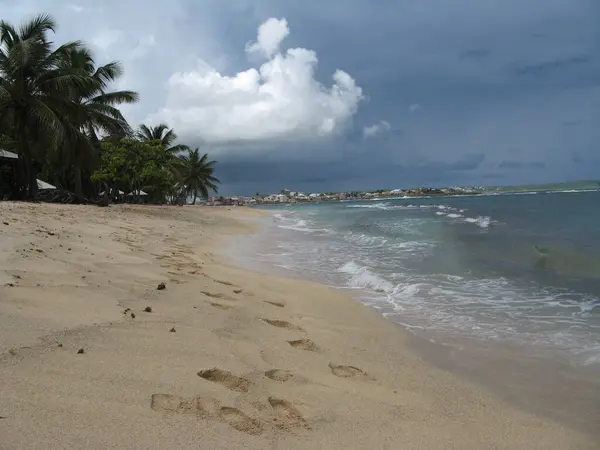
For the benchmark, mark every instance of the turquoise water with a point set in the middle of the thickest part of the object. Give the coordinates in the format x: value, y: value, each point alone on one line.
x: 523, y: 269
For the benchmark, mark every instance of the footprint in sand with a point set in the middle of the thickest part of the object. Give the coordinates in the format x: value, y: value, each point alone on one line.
x: 217, y: 295
x: 278, y: 304
x: 219, y: 306
x: 346, y: 371
x: 304, y: 344
x: 176, y: 404
x: 278, y: 374
x: 282, y: 324
x: 287, y: 417
x: 238, y: 420
x: 227, y: 379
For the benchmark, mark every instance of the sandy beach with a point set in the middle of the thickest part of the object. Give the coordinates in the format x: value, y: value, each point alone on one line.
x: 93, y: 355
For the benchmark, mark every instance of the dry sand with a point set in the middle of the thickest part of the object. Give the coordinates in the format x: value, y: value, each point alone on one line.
x: 225, y: 359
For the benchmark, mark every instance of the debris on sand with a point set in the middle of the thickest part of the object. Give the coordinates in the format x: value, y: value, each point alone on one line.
x: 148, y: 309
x: 161, y: 286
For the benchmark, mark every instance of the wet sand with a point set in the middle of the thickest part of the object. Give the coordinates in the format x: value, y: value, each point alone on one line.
x: 94, y: 355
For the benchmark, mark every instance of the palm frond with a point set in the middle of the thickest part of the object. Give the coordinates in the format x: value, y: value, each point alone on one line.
x: 37, y: 27
x: 108, y: 72
x: 115, y: 98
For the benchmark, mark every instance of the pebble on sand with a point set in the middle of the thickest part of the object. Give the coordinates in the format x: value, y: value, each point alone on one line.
x: 173, y: 330
x: 80, y: 351
x: 161, y: 286
x: 147, y: 309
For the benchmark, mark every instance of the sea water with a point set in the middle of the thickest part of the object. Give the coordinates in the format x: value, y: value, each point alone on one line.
x: 522, y: 269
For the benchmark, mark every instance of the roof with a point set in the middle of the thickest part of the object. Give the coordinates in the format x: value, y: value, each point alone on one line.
x: 43, y: 185
x: 8, y: 155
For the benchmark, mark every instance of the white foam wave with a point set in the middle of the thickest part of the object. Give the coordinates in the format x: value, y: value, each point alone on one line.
x: 481, y: 221
x: 375, y: 206
x: 454, y: 216
x: 362, y: 278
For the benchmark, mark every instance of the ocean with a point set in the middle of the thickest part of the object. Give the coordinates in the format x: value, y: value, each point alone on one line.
x: 520, y: 269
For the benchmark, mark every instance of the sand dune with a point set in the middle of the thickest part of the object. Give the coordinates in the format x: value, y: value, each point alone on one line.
x: 254, y: 361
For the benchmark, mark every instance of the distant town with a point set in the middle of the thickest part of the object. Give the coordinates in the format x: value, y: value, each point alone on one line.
x: 285, y: 196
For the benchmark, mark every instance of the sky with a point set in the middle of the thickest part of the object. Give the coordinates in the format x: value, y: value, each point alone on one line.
x: 355, y: 94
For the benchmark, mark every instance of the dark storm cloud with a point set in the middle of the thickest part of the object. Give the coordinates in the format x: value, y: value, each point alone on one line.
x: 546, y: 68
x: 522, y: 165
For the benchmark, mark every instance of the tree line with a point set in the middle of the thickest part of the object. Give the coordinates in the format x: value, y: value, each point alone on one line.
x: 59, y: 114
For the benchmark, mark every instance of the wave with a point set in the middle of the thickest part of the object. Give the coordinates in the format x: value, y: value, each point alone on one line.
x: 361, y: 277
x: 481, y: 221
x: 375, y: 206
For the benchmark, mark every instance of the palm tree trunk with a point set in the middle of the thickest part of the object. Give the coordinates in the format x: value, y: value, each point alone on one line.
x: 78, y: 185
x: 33, y: 187
x: 30, y: 175
x: 195, y: 195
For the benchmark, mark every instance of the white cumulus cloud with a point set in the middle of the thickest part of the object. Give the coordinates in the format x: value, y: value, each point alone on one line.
x: 281, y: 99
x: 270, y: 36
x: 375, y: 129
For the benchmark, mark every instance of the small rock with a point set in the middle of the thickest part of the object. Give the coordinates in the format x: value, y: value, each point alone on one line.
x: 173, y: 330
x: 10, y: 284
x: 18, y: 277
x: 39, y: 250
x: 59, y: 345
x: 127, y: 310
x: 80, y: 351
x: 132, y: 315
x: 161, y: 286
x: 147, y: 309
x: 238, y: 291
x: 69, y: 249
x: 5, y: 223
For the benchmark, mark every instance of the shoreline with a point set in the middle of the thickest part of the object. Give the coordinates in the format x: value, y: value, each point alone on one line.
x: 542, y: 381
x: 284, y: 363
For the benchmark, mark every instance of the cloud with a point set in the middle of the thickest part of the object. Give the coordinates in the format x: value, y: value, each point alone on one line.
x: 414, y: 108
x: 547, y: 67
x: 270, y: 36
x: 376, y: 129
x: 522, y: 165
x: 280, y: 100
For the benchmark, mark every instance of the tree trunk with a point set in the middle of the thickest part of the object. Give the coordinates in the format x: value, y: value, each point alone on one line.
x: 78, y: 185
x: 195, y: 195
x: 33, y: 187
x: 30, y: 178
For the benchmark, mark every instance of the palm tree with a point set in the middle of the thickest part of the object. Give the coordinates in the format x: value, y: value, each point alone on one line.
x: 99, y: 111
x: 196, y: 174
x: 35, y: 92
x: 163, y: 133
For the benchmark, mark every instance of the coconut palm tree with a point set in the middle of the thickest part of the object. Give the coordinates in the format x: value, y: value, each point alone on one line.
x: 36, y: 92
x: 196, y: 174
x: 100, y: 113
x: 163, y: 133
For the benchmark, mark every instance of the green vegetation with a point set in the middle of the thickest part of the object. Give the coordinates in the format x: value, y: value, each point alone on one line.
x: 60, y: 116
